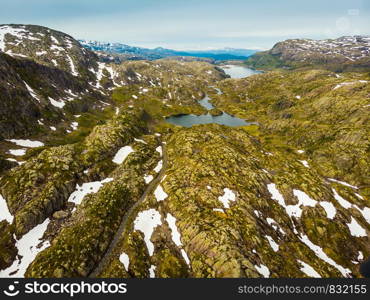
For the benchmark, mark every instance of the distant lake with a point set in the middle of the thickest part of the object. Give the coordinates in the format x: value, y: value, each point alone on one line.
x: 223, y: 119
x: 235, y: 71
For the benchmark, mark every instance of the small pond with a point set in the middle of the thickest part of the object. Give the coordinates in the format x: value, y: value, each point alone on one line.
x: 191, y: 119
x: 188, y: 120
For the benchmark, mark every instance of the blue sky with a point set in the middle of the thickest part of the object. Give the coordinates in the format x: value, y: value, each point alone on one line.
x: 190, y: 24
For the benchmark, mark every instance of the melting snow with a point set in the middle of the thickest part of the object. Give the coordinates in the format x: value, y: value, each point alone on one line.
x: 125, y: 260
x: 344, y: 203
x: 4, y: 211
x: 185, y: 256
x: 365, y: 213
x: 54, y: 39
x: 308, y: 270
x: 140, y: 141
x: 59, y: 104
x: 146, y: 221
x: 27, y: 143
x: 272, y: 243
x: 19, y: 33
x: 32, y: 92
x: 291, y: 210
x: 74, y: 125
x: 39, y: 53
x: 171, y: 220
x: 274, y: 225
x: 305, y: 163
x: 86, y: 188
x: 122, y: 154
x: 227, y: 197
x: 356, y: 229
x: 151, y: 271
x: 343, y: 183
x: 72, y: 65
x: 329, y: 209
x: 27, y: 249
x: 160, y: 194
x: 348, y: 83
x: 322, y: 255
x: 159, y: 150
x: 148, y: 178
x: 158, y: 168
x: 263, y: 270
x: 17, y: 152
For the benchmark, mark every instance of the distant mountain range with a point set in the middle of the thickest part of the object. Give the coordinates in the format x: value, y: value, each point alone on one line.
x: 133, y: 53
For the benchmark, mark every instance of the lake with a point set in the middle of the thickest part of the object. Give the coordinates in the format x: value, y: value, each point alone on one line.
x: 235, y: 71
x: 191, y: 119
x: 223, y: 119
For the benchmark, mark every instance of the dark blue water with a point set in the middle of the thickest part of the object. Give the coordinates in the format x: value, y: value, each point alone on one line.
x: 190, y: 120
x: 224, y: 119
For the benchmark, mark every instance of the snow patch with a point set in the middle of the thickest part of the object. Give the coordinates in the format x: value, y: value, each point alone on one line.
x: 356, y: 229
x: 86, y: 188
x: 28, y: 247
x: 329, y: 209
x: 122, y: 154
x: 343, y: 183
x: 227, y: 197
x: 159, y: 166
x: 27, y: 143
x: 146, y: 221
x: 17, y: 152
x: 322, y: 255
x: 125, y: 260
x: 59, y: 104
x: 160, y: 194
x: 4, y: 211
x: 263, y: 270
x: 308, y: 270
x: 272, y: 243
x: 148, y: 178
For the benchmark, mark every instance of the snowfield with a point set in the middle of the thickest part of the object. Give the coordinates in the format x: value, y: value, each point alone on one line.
x: 27, y: 143
x: 146, y: 221
x: 28, y: 247
x: 4, y: 211
x: 86, y: 188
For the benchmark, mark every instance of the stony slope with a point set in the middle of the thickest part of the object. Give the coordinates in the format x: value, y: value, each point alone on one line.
x: 286, y: 198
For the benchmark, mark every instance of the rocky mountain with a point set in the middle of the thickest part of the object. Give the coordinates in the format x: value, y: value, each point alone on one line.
x: 105, y: 186
x: 136, y: 53
x: 47, y: 77
x: 350, y: 53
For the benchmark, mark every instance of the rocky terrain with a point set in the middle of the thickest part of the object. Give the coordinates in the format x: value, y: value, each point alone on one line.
x: 103, y: 186
x: 348, y: 53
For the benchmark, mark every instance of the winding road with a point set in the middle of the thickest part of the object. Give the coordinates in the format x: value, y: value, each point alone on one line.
x: 152, y: 185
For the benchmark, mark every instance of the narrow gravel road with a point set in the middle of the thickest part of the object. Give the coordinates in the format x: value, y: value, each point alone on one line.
x: 152, y: 185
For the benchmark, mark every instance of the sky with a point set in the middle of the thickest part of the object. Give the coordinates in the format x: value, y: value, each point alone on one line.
x: 191, y: 24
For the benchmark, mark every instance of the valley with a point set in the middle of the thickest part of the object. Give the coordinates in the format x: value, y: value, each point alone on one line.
x: 176, y: 168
